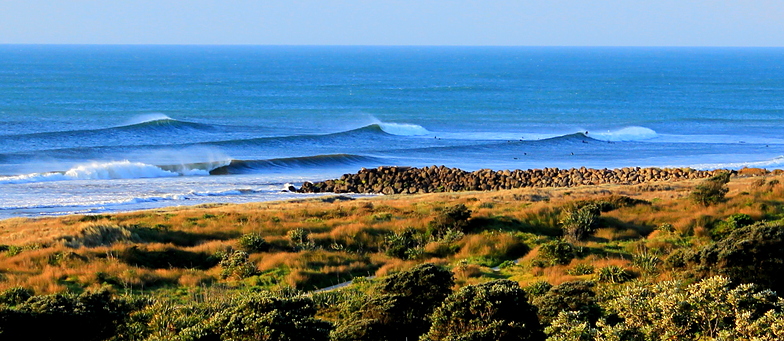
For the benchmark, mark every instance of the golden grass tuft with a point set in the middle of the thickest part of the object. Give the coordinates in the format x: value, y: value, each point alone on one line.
x: 492, y: 245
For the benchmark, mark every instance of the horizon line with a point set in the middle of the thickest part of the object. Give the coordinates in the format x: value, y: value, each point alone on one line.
x: 389, y: 45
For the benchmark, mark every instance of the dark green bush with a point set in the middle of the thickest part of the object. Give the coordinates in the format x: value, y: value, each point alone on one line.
x: 88, y: 316
x: 453, y: 217
x: 492, y: 311
x: 245, y: 316
x: 749, y: 254
x: 402, y: 307
x: 569, y: 296
x: 16, y: 295
x: 556, y: 252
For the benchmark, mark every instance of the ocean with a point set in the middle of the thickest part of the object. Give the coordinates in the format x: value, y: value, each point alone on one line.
x: 93, y: 129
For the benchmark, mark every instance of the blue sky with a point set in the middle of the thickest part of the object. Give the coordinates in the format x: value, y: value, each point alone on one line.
x: 401, y: 22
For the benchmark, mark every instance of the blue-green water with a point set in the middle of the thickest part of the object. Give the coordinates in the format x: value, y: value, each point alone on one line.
x: 104, y: 128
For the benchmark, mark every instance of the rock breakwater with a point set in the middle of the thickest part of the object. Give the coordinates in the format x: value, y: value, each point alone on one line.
x: 433, y: 179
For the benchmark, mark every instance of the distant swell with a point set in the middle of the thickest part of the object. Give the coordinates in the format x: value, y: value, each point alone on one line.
x: 161, y: 125
x: 137, y: 170
x: 256, y: 166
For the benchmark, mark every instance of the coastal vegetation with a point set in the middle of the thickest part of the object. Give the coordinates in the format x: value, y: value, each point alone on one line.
x: 694, y: 259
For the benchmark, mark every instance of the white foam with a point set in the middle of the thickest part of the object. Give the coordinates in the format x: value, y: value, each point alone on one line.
x: 34, y: 177
x: 633, y: 133
x: 775, y: 163
x: 95, y: 171
x: 117, y: 170
x: 403, y: 129
x: 718, y: 139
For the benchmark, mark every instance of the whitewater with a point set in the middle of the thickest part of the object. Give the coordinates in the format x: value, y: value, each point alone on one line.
x: 93, y: 129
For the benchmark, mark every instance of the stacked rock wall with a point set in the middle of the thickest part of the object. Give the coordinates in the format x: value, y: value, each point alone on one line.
x: 407, y: 180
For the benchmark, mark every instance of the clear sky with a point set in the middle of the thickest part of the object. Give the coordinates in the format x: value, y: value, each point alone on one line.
x: 395, y: 22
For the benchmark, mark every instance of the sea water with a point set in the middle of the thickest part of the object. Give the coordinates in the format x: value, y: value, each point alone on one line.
x: 90, y: 129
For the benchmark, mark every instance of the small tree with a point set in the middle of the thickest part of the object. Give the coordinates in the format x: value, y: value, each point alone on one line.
x: 712, y: 190
x: 580, y: 222
x: 492, y: 311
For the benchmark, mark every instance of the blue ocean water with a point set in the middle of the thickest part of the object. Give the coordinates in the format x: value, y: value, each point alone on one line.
x: 88, y: 129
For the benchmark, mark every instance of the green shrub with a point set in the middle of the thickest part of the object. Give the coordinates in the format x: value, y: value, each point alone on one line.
x: 235, y: 264
x: 11, y: 250
x: 749, y: 254
x: 556, y: 252
x: 711, y: 309
x: 248, y: 316
x: 400, y: 309
x: 400, y: 245
x: 453, y: 217
x: 496, y: 310
x: 569, y: 296
x: 15, y: 295
x: 677, y: 259
x: 88, y: 316
x: 723, y: 228
x: 647, y: 262
x: 712, y: 190
x: 613, y: 274
x: 253, y: 243
x: 666, y: 227
x: 300, y: 239
x: 581, y: 269
x: 538, y: 288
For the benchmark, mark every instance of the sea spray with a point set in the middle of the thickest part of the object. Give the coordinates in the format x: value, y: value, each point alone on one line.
x: 95, y: 171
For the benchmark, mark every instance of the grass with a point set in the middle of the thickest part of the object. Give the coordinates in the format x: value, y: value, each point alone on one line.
x: 176, y: 248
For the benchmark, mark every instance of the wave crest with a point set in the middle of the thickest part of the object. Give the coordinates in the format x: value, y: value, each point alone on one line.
x: 147, y: 118
x: 633, y: 133
x: 102, y: 171
x: 403, y: 129
x: 117, y: 170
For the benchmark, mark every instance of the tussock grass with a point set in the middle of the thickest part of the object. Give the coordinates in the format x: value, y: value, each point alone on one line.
x: 181, y: 247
